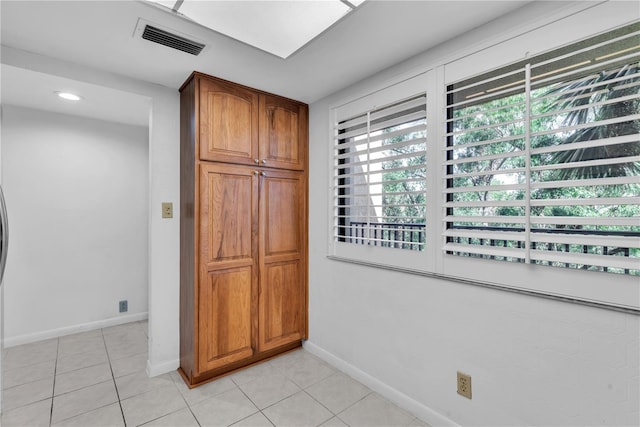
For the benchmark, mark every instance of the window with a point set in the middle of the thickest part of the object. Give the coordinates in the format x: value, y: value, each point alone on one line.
x: 543, y: 159
x: 380, y: 175
x: 534, y: 164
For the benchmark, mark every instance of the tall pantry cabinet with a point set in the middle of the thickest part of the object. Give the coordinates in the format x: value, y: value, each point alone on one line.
x: 243, y: 226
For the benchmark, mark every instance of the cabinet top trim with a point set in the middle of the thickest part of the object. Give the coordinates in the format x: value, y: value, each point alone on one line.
x: 198, y: 75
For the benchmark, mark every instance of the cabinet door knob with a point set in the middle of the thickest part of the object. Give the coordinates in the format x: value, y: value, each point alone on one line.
x: 263, y: 173
x: 255, y: 172
x: 264, y: 161
x: 256, y: 160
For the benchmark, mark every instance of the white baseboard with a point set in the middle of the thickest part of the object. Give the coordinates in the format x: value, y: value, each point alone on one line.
x: 423, y: 412
x: 68, y: 330
x: 162, y: 368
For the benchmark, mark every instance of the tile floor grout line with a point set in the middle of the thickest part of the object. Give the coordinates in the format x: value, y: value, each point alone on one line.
x: 113, y: 377
x: 55, y: 371
x: 185, y: 400
x: 254, y: 404
x: 353, y: 404
x: 305, y: 370
x: 320, y: 403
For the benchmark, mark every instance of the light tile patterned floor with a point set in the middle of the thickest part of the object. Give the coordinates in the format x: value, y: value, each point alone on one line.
x: 98, y: 378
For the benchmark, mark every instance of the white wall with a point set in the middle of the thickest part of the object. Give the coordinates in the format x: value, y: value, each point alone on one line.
x: 164, y: 186
x: 76, y: 192
x: 533, y: 361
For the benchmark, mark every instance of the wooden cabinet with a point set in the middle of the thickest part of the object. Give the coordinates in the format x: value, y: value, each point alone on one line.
x: 283, y: 133
x: 228, y: 263
x: 243, y: 228
x: 228, y: 122
x: 239, y: 125
x: 282, y: 313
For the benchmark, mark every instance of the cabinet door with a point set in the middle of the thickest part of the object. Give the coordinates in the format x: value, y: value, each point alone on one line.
x: 283, y: 253
x: 227, y: 294
x: 228, y: 122
x: 283, y: 133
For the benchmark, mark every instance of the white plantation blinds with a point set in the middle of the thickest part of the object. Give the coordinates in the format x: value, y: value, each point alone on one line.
x: 543, y: 159
x: 379, y: 175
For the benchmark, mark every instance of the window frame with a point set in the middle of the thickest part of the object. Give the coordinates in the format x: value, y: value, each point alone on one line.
x: 612, y: 291
x: 378, y: 255
x: 527, y: 238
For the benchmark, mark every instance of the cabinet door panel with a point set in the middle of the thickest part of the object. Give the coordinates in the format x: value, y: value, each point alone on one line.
x: 282, y: 215
x: 228, y: 210
x: 225, y: 331
x: 282, y: 300
x: 228, y: 123
x: 281, y: 304
x: 227, y: 295
x: 283, y: 132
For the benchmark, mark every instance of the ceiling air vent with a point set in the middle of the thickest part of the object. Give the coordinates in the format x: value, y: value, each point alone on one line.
x: 173, y: 41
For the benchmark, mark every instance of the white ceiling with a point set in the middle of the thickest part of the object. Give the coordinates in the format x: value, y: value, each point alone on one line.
x: 102, y: 34
x: 254, y: 21
x: 31, y: 89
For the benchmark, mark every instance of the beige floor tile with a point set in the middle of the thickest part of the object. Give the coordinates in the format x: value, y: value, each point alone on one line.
x: 417, y: 422
x: 30, y: 354
x: 82, y: 335
x: 74, y: 344
x: 306, y: 370
x: 298, y: 410
x: 84, y: 400
x: 334, y: 422
x: 107, y: 416
x: 130, y: 336
x: 24, y: 394
x: 129, y: 365
x: 338, y: 392
x: 375, y: 410
x: 28, y: 374
x: 224, y: 409
x: 86, y: 364
x: 35, y: 414
x: 81, y: 378
x: 181, y: 418
x: 254, y: 372
x: 126, y: 349
x: 81, y: 360
x: 255, y: 420
x: 123, y: 329
x: 205, y: 391
x: 152, y: 405
x: 269, y: 389
x: 138, y: 383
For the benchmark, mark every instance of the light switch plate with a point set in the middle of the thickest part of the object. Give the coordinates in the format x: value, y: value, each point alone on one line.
x: 167, y: 210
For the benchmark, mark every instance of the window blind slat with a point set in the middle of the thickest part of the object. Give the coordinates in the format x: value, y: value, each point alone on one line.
x: 485, y: 219
x: 558, y: 133
x: 494, y: 251
x: 379, y: 176
x: 598, y: 201
x: 587, y: 144
x: 586, y: 259
x: 579, y: 220
x: 586, y: 163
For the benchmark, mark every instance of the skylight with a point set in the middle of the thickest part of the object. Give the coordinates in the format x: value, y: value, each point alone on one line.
x: 280, y: 27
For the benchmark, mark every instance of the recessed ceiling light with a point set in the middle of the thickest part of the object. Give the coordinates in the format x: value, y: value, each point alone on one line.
x: 69, y: 96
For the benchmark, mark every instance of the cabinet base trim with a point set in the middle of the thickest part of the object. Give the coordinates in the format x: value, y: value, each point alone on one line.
x: 232, y: 368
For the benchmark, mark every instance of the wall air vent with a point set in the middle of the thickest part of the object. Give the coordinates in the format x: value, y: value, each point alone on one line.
x: 156, y: 35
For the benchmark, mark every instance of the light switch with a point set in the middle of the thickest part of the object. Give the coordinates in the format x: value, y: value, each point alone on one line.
x: 167, y: 210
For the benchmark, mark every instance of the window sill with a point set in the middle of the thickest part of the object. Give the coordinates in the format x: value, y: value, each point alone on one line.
x: 496, y: 286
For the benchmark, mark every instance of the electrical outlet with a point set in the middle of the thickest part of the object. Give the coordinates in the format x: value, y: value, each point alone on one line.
x: 464, y: 385
x: 123, y: 306
x: 167, y: 210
